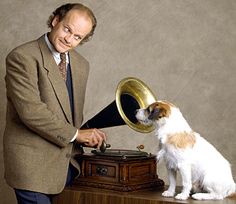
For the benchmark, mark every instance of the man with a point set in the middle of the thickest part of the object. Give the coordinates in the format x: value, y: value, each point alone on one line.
x: 45, y: 104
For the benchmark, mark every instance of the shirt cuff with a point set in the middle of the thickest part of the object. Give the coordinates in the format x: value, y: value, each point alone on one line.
x: 73, y: 139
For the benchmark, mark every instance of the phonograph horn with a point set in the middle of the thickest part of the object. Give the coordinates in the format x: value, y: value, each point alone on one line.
x: 131, y: 94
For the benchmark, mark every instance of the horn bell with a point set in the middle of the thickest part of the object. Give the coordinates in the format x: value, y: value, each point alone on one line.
x: 132, y: 94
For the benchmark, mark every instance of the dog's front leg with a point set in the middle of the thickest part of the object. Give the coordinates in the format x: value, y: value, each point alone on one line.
x: 172, y: 184
x: 185, y: 171
x: 160, y: 155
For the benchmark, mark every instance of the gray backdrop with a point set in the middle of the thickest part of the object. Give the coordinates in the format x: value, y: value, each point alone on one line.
x: 184, y: 50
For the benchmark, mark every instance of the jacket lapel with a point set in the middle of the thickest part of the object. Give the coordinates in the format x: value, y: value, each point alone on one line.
x: 55, y: 78
x: 78, y: 73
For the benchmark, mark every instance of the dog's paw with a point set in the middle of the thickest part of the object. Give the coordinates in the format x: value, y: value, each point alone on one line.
x: 197, y: 196
x: 207, y: 196
x: 168, y: 194
x: 182, y: 196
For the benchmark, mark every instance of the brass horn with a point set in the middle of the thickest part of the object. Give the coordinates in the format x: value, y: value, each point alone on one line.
x: 131, y: 94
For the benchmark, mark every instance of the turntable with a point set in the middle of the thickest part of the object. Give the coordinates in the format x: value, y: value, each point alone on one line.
x: 117, y: 169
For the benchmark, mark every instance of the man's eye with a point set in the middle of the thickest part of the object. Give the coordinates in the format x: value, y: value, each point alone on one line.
x: 77, y: 37
x: 66, y: 30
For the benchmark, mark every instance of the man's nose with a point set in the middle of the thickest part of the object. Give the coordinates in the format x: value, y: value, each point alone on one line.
x: 68, y: 38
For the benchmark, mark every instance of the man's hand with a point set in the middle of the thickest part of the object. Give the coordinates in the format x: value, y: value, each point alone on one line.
x: 91, y: 137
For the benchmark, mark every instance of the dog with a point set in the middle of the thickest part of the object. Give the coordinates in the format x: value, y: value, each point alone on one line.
x: 205, y: 173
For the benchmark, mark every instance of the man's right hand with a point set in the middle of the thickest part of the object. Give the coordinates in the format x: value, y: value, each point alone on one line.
x: 91, y: 137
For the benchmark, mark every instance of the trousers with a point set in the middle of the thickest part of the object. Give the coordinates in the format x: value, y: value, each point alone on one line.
x: 31, y: 197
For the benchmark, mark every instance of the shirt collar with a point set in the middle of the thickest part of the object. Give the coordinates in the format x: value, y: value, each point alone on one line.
x: 56, y: 55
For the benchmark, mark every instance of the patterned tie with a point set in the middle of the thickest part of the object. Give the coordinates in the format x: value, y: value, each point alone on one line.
x: 62, y: 65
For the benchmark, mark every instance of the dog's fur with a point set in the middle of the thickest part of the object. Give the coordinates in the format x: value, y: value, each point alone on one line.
x: 205, y: 172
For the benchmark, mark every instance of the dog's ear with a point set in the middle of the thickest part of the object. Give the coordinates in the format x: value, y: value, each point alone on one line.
x: 164, y: 109
x: 154, y: 115
x: 162, y: 113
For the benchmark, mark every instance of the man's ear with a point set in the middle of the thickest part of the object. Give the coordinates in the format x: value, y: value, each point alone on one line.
x: 55, y: 21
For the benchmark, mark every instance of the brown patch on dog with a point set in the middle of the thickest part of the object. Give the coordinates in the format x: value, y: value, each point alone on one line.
x: 182, y: 140
x: 232, y: 196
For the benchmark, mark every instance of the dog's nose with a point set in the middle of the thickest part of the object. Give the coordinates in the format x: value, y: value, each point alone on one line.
x: 136, y: 111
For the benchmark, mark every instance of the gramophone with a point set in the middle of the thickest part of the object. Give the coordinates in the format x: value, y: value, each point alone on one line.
x: 118, y: 169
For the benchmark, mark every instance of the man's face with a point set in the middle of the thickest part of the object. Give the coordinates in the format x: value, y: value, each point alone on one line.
x: 70, y: 31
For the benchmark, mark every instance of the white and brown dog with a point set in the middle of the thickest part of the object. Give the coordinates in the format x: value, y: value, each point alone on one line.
x: 203, y: 169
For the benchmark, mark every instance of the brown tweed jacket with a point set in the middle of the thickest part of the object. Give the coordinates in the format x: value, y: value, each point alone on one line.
x: 39, y: 127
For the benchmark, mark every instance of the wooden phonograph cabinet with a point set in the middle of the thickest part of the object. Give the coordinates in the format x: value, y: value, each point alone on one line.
x: 120, y: 170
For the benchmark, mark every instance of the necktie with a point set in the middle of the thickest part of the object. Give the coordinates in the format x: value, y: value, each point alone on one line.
x: 62, y: 65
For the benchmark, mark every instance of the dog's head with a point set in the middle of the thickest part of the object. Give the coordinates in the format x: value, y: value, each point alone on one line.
x: 154, y: 112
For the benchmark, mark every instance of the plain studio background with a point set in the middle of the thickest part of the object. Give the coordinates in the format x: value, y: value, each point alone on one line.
x: 183, y: 50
